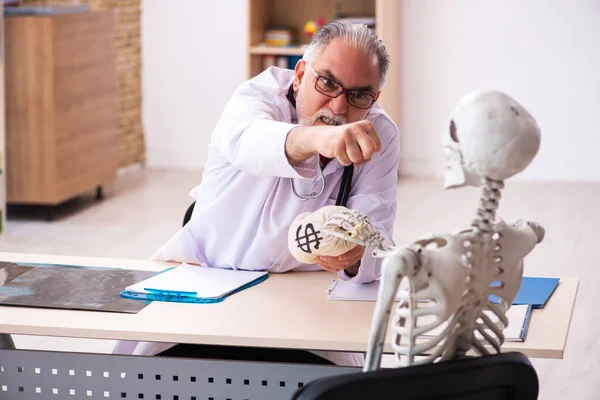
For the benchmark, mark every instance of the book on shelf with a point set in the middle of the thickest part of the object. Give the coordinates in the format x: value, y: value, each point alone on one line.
x: 369, y: 21
x: 278, y: 36
x: 47, y: 10
x: 281, y: 61
x: 269, y: 60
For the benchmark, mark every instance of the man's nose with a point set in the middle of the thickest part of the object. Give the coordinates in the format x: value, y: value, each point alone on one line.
x: 339, y: 105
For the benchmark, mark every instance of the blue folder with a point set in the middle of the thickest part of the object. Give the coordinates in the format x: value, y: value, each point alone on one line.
x: 534, y: 291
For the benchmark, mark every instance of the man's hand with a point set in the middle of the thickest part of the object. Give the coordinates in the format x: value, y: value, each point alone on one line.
x: 349, y: 259
x: 353, y: 143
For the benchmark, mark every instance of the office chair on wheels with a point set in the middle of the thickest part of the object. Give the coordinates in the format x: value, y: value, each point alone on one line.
x: 505, y: 376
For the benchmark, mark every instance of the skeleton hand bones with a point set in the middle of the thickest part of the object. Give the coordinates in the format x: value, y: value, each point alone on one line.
x: 333, y: 237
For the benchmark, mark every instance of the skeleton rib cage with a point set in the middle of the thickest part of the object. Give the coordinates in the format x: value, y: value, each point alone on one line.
x: 443, y: 283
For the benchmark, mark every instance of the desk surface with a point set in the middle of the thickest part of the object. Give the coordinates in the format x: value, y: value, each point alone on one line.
x: 288, y: 310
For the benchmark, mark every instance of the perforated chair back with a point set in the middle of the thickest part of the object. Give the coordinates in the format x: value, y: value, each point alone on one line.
x: 508, y: 376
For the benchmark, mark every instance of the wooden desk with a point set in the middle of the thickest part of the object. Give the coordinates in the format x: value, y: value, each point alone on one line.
x: 286, y: 311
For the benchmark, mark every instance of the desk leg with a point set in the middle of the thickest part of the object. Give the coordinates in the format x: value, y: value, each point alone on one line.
x: 6, y: 342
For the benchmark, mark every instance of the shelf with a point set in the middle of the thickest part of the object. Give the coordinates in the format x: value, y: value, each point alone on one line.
x: 294, y: 14
x: 278, y: 51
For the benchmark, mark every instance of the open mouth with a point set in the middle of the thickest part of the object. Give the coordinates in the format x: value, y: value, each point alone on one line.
x: 328, y: 121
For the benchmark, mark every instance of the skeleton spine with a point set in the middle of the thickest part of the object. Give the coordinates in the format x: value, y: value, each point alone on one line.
x: 474, y: 256
x: 486, y: 212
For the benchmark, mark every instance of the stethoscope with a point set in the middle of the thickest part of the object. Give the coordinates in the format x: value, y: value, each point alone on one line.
x: 346, y: 177
x: 345, y: 187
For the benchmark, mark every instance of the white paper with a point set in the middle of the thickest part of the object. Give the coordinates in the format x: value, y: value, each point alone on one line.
x: 209, y: 283
x: 344, y: 290
x: 516, y: 315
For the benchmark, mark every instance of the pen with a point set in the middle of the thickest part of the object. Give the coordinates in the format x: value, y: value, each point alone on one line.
x: 169, y: 294
x: 332, y: 286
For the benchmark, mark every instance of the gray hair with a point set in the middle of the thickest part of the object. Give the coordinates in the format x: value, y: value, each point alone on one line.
x: 356, y: 35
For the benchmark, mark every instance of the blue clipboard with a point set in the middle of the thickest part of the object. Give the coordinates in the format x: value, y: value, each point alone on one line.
x: 174, y: 296
x: 212, y: 285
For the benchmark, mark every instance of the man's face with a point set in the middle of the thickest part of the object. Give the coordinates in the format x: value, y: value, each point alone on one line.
x: 347, y: 66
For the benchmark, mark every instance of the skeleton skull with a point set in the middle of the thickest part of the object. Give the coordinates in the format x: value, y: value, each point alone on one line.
x: 489, y: 135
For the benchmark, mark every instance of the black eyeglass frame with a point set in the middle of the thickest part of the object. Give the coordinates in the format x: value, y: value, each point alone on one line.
x: 342, y: 90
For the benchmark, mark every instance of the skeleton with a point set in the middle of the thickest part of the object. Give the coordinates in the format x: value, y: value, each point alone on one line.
x: 444, y: 281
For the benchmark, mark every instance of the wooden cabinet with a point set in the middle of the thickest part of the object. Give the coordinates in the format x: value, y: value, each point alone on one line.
x: 61, y: 128
x: 293, y: 14
x: 2, y: 132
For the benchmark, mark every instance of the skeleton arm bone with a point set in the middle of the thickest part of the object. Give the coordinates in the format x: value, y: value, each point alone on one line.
x: 394, y: 268
x: 353, y: 226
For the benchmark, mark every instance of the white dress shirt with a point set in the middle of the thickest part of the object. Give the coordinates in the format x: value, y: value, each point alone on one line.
x: 245, y: 204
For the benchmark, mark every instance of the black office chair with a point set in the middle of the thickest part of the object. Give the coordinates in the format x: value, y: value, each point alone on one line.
x: 188, y: 213
x: 507, y: 376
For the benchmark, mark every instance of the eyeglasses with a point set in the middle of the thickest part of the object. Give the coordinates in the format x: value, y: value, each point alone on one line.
x: 330, y: 88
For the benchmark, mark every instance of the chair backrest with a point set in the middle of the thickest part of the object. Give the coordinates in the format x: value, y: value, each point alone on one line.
x: 507, y: 376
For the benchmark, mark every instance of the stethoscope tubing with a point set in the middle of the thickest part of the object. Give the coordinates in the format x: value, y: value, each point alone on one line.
x: 345, y: 187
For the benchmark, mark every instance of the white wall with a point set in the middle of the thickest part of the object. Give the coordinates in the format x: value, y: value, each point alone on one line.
x: 544, y: 53
x: 185, y: 84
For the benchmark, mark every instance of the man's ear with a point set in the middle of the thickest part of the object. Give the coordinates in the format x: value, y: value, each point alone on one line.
x: 299, y: 74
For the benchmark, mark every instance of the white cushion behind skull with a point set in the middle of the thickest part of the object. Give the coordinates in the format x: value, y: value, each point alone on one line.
x: 490, y: 135
x: 306, y: 241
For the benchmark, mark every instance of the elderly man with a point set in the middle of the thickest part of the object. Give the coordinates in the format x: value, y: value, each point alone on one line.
x: 280, y: 149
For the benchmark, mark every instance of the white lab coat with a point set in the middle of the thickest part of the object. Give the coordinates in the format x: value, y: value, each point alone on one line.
x: 245, y: 205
